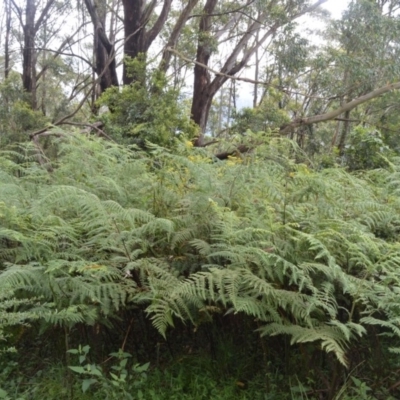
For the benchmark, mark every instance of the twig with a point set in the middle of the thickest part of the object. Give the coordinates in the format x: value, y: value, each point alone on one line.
x: 126, y: 335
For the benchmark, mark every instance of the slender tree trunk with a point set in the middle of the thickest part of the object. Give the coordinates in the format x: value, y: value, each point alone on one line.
x: 29, y: 49
x: 220, y: 116
x: 96, y: 88
x: 203, y: 93
x: 43, y: 92
x: 30, y: 29
x: 34, y: 82
x: 345, y: 131
x: 113, y: 20
x: 7, y: 7
x: 256, y: 70
x: 229, y: 111
x: 176, y: 31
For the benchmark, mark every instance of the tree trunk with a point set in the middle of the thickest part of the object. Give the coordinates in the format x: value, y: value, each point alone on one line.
x: 7, y: 7
x: 29, y: 49
x: 30, y: 29
x: 138, y: 39
x: 203, y: 93
x: 134, y: 33
x: 106, y: 67
x: 256, y: 71
x: 345, y: 131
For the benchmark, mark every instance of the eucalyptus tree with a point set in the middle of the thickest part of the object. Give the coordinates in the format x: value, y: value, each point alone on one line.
x: 283, y: 81
x: 7, y: 37
x: 31, y: 16
x: 238, y: 28
x: 43, y: 37
x: 139, y: 32
x: 104, y: 48
x: 358, y: 70
x: 367, y: 55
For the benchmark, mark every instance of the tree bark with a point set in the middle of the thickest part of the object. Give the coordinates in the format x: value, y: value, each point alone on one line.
x: 345, y: 131
x: 256, y: 72
x: 138, y: 39
x: 106, y: 66
x: 202, y: 93
x: 7, y: 7
x: 30, y: 28
x: 29, y: 48
x: 134, y: 33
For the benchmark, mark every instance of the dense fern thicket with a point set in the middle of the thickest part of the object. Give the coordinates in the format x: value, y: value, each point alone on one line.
x: 261, y: 244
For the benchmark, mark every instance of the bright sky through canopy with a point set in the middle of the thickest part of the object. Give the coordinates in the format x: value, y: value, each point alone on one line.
x: 336, y: 7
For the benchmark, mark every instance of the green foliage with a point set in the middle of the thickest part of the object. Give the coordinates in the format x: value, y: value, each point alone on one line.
x: 366, y: 149
x: 268, y: 115
x: 311, y: 255
x: 122, y: 381
x: 146, y: 110
x: 16, y: 116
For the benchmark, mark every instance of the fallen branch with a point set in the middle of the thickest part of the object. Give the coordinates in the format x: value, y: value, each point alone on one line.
x: 236, y: 152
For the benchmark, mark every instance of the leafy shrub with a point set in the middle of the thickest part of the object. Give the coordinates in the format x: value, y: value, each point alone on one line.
x: 146, y: 110
x: 123, y: 381
x: 366, y: 149
x: 268, y: 115
x: 16, y: 117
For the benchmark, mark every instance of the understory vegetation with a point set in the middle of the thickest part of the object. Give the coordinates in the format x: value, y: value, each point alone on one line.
x: 199, y: 199
x: 265, y: 276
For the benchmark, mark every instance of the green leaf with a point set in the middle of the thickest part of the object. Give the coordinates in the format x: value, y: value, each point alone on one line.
x: 141, y: 368
x: 123, y: 363
x: 114, y: 376
x: 79, y: 370
x: 87, y: 383
x: 94, y: 370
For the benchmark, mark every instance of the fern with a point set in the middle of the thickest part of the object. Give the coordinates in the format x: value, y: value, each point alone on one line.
x: 310, y: 254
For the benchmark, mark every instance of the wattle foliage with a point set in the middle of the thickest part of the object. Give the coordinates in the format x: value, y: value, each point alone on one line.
x: 310, y: 254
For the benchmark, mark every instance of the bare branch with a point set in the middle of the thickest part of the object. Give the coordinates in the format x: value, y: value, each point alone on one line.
x: 241, y: 79
x: 285, y: 129
x: 60, y: 52
x: 180, y: 23
x: 155, y: 30
x: 43, y: 14
x: 226, y: 12
x: 18, y: 11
